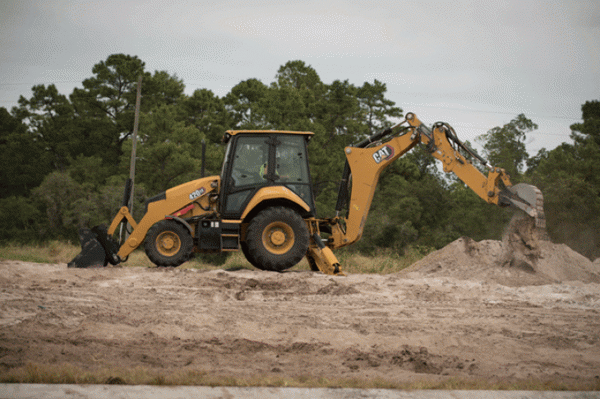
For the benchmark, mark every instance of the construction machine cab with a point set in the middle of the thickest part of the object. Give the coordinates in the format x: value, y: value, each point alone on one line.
x: 258, y: 165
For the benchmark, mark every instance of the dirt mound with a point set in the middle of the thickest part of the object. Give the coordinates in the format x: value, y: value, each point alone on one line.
x: 487, y: 260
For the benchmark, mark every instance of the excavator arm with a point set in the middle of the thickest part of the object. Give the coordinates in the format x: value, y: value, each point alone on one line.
x: 495, y: 188
x: 367, y: 159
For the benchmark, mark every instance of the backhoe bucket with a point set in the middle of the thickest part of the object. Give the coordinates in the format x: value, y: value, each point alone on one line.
x: 530, y: 200
x: 97, y: 249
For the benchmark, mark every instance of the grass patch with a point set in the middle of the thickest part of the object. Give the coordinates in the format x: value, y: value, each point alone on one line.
x: 383, y: 262
x: 64, y: 252
x: 49, y: 252
x: 34, y: 373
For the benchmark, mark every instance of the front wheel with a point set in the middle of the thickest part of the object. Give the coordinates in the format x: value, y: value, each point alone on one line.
x: 168, y: 243
x: 276, y: 239
x: 249, y: 257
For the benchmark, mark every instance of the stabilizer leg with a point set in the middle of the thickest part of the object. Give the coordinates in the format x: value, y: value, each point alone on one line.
x: 322, y: 258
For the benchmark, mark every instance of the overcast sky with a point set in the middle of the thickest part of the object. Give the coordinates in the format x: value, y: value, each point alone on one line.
x: 473, y: 64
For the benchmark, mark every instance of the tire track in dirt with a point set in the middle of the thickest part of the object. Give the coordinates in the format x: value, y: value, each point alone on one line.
x: 406, y: 327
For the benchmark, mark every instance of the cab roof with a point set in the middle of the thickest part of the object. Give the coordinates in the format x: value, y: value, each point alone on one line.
x: 234, y: 132
x: 230, y: 133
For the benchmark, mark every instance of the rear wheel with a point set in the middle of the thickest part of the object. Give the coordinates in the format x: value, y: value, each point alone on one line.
x: 168, y: 244
x: 276, y: 239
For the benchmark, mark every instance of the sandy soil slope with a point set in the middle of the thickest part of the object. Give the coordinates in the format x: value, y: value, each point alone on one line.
x: 455, y: 313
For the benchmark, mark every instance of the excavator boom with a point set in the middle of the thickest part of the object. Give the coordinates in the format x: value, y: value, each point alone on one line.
x: 366, y: 161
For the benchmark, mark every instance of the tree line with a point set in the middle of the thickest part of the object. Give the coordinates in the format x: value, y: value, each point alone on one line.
x: 64, y: 159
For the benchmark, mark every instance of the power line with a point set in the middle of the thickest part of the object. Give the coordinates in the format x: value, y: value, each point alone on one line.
x: 38, y: 83
x: 494, y: 112
x: 528, y: 133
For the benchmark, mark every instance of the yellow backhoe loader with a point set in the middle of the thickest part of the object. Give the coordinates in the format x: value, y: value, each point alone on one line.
x: 262, y: 203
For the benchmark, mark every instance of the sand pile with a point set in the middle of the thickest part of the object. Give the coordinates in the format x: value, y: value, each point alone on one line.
x: 491, y: 261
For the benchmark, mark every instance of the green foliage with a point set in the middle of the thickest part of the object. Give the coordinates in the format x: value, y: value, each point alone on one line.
x: 69, y: 205
x: 168, y: 152
x: 50, y: 118
x: 23, y: 160
x: 472, y: 217
x: 299, y: 76
x: 20, y: 219
x: 376, y: 108
x: 244, y: 104
x: 569, y: 178
x: 90, y: 170
x: 504, y: 147
x: 58, y: 193
x: 207, y: 113
x: 161, y: 88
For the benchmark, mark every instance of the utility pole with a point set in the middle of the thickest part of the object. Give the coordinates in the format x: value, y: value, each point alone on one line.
x: 136, y: 120
x: 128, y: 195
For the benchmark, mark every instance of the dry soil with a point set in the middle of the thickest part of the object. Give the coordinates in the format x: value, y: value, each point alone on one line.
x: 461, y: 312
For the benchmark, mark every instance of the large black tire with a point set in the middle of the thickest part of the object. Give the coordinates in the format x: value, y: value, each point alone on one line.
x: 249, y: 257
x: 168, y: 243
x: 276, y: 239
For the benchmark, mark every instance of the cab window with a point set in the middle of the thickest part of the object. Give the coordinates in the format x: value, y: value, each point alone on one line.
x: 290, y: 160
x: 249, y: 160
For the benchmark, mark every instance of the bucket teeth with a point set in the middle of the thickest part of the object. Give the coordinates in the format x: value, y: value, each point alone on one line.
x: 540, y: 217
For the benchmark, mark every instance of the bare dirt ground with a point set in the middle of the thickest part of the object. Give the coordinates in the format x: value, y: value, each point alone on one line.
x: 462, y: 312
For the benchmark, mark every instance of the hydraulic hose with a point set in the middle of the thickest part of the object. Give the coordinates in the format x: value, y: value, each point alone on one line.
x: 343, y: 189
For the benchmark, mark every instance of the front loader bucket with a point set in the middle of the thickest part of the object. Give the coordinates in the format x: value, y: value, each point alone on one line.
x: 97, y: 249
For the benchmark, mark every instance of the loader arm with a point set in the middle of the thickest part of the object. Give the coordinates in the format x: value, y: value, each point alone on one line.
x: 98, y: 247
x: 366, y: 161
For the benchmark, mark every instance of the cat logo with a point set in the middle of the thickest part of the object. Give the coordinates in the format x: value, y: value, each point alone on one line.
x: 383, y: 154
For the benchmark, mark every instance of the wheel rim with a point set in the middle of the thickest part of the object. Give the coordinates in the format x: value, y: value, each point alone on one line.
x: 278, y: 238
x: 168, y: 243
